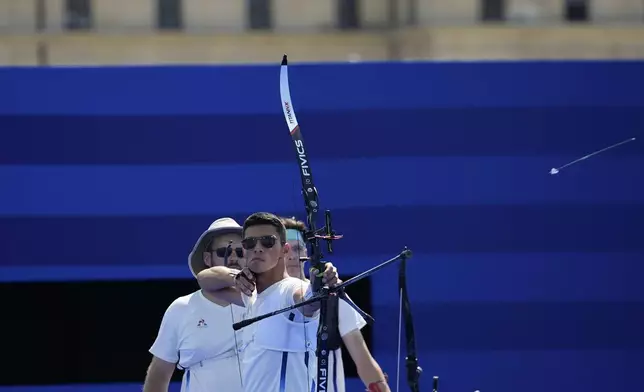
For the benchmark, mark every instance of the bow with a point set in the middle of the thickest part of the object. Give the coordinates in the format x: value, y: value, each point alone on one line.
x: 328, y: 336
x: 309, y: 191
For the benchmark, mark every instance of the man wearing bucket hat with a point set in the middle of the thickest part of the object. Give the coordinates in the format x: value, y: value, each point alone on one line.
x: 195, y: 333
x: 350, y: 322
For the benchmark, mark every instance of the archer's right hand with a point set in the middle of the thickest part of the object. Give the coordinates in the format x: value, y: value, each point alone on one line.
x: 245, y: 281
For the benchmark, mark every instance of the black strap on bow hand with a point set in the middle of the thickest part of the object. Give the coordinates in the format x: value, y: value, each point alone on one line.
x: 327, y: 335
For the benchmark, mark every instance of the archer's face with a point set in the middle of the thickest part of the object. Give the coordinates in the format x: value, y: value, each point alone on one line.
x: 263, y: 249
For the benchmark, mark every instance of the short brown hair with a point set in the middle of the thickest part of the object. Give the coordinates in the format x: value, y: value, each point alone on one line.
x: 294, y: 224
x: 266, y: 218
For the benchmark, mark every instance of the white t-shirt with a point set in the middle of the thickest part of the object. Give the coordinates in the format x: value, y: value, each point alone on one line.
x: 279, y: 351
x: 276, y: 348
x: 198, y: 335
x: 348, y: 320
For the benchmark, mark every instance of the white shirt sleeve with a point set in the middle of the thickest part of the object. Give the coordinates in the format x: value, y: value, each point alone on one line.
x: 348, y: 319
x: 289, y: 290
x: 166, y: 345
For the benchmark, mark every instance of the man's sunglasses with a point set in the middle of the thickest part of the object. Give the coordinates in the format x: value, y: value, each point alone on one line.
x: 267, y: 241
x: 225, y: 251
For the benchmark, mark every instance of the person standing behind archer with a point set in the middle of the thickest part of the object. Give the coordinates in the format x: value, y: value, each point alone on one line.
x: 195, y: 333
x: 350, y: 322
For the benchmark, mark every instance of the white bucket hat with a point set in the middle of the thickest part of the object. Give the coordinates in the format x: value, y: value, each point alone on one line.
x: 219, y: 227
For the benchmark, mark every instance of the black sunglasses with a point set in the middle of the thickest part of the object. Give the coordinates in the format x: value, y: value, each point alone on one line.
x: 267, y: 241
x: 225, y: 251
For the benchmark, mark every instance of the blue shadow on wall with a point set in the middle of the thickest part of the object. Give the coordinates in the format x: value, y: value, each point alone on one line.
x: 520, y: 281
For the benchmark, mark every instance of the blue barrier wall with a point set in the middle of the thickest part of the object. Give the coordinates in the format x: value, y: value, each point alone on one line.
x: 520, y: 281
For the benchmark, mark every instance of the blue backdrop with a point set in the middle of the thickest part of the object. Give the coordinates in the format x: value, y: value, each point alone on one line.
x: 520, y: 281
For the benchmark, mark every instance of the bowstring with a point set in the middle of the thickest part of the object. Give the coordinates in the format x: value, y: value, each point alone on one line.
x: 306, y: 339
x: 399, y: 340
x: 302, y: 277
x: 232, y: 317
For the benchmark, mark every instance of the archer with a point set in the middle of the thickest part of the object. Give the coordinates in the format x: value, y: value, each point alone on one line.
x: 276, y: 350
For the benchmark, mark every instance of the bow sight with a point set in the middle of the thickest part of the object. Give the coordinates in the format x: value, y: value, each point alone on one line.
x: 329, y: 234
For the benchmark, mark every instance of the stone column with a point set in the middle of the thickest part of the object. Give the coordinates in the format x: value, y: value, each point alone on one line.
x: 124, y: 15
x: 535, y: 11
x: 617, y: 11
x: 311, y: 15
x: 17, y: 16
x: 214, y: 15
